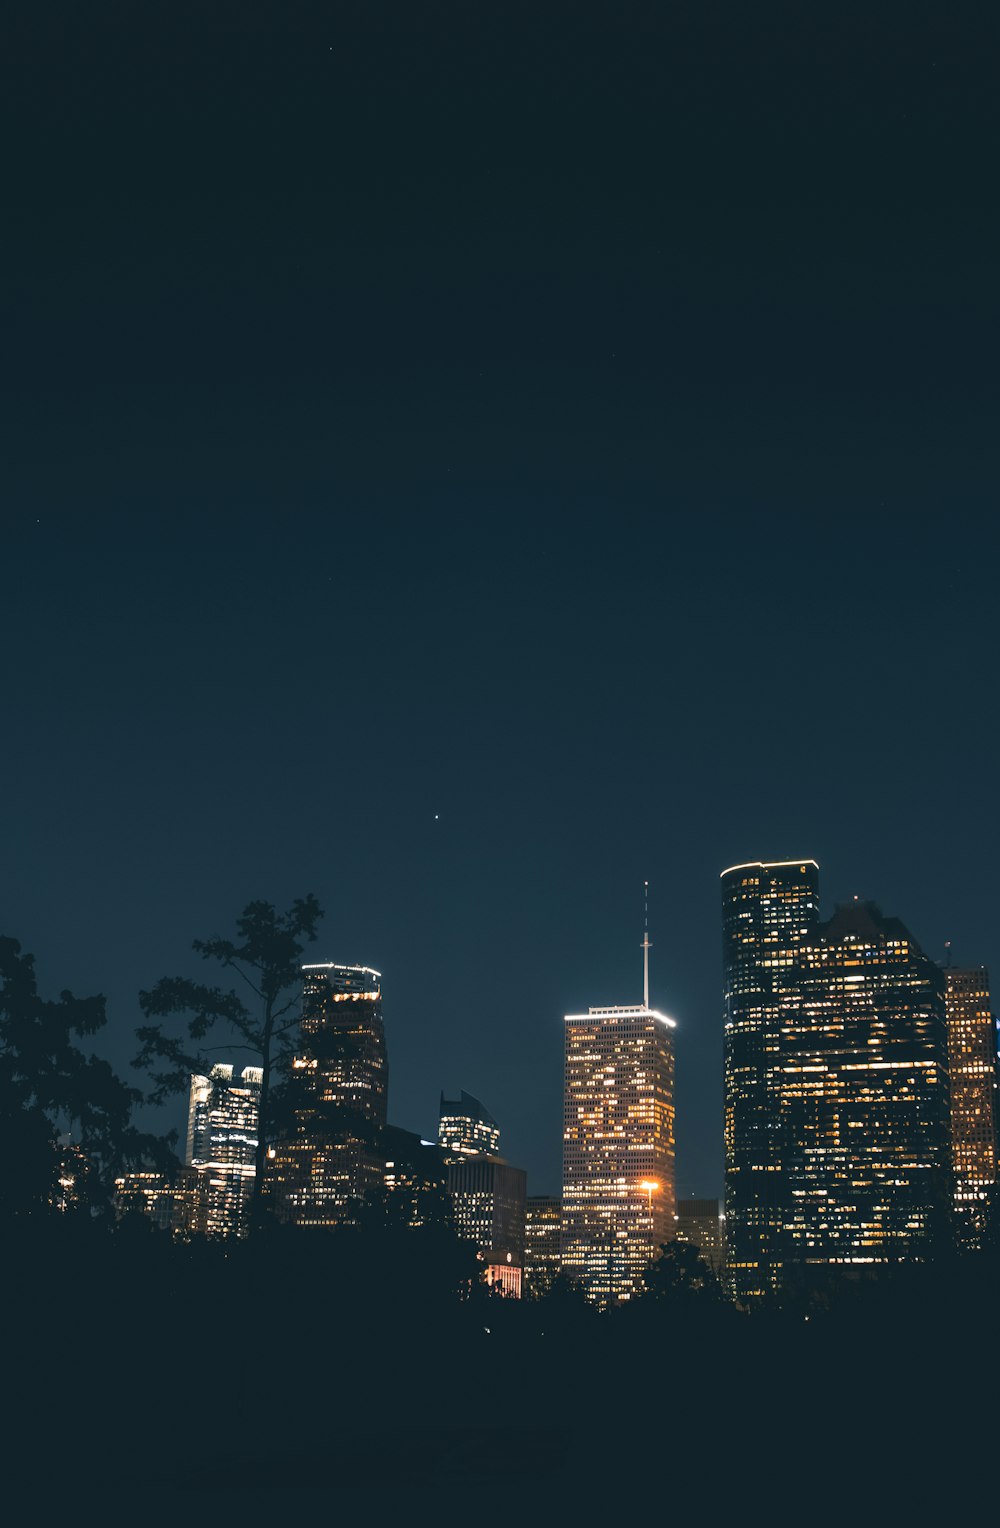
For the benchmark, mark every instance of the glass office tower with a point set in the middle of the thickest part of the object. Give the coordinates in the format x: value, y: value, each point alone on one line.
x: 865, y: 1110
x: 768, y: 911
x: 466, y: 1128
x: 223, y: 1120
x: 327, y: 1154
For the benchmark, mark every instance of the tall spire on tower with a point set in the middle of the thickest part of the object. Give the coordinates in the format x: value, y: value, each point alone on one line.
x: 645, y: 946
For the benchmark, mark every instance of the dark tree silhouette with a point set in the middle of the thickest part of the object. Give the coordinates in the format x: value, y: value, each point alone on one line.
x: 51, y: 1090
x: 266, y: 957
x: 682, y: 1276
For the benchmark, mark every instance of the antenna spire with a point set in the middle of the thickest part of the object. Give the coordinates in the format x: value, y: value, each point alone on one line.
x: 646, y: 947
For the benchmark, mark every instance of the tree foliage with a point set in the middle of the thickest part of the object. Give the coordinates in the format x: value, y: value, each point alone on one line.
x: 65, y: 1116
x: 259, y: 1019
x: 682, y: 1277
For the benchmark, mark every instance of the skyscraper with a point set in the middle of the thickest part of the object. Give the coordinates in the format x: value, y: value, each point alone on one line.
x: 466, y: 1127
x: 414, y: 1179
x: 768, y: 910
x: 488, y: 1198
x: 865, y: 1116
x: 327, y: 1152
x: 618, y: 1146
x: 223, y: 1120
x: 837, y: 1097
x: 972, y: 1063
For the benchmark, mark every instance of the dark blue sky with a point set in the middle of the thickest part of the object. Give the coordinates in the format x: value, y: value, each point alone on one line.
x: 581, y: 427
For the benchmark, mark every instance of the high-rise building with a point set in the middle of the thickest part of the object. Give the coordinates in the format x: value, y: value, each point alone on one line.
x: 327, y: 1153
x: 542, y: 1228
x: 618, y: 1204
x: 488, y: 1197
x: 972, y: 1063
x: 768, y: 911
x: 487, y: 1193
x: 414, y: 1179
x: 466, y: 1128
x: 223, y: 1121
x: 701, y: 1223
x: 865, y: 1111
x: 837, y: 1095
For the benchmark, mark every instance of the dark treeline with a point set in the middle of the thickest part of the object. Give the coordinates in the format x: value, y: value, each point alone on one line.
x: 365, y: 1359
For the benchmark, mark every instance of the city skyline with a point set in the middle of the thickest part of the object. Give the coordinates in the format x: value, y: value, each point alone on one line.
x: 859, y: 1121
x: 478, y: 483
x: 687, y: 1177
x: 472, y: 551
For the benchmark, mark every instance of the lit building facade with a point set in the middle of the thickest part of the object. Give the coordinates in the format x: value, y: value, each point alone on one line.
x: 618, y: 1202
x: 701, y: 1223
x: 327, y: 1153
x: 768, y: 911
x: 414, y: 1179
x: 223, y: 1123
x: 972, y: 1063
x: 865, y: 1106
x: 542, y: 1232
x: 488, y: 1200
x: 174, y: 1204
x: 466, y: 1128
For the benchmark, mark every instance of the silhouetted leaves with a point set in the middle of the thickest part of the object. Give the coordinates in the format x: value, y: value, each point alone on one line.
x: 260, y: 1019
x: 51, y: 1090
x: 681, y: 1277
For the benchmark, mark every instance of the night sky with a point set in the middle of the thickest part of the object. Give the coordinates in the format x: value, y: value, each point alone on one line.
x: 465, y: 466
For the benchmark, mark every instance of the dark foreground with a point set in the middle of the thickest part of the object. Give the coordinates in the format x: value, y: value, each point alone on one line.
x: 291, y: 1366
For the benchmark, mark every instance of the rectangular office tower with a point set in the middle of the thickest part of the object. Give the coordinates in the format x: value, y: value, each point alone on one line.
x: 865, y: 1125
x: 488, y: 1200
x: 327, y: 1154
x: 768, y: 911
x: 618, y: 1148
x: 972, y: 1062
x: 223, y: 1120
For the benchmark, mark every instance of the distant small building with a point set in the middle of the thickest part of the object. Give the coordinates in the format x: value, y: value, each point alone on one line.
x: 701, y: 1223
x: 542, y: 1227
x: 504, y: 1277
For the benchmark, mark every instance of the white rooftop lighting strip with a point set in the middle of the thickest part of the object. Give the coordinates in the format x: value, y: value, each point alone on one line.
x: 768, y: 865
x: 620, y: 1013
x: 332, y: 965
